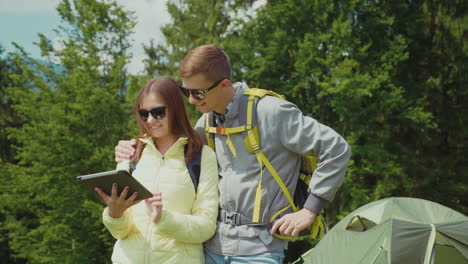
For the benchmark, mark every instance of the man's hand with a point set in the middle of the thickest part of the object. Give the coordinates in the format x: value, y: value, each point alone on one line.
x: 154, y: 207
x: 125, y: 150
x: 117, y: 204
x: 293, y: 223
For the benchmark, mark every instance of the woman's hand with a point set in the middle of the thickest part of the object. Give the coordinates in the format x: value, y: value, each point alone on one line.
x: 117, y: 204
x: 154, y: 207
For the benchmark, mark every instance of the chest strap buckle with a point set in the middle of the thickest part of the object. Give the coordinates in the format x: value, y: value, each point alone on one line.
x: 220, y: 130
x: 230, y: 218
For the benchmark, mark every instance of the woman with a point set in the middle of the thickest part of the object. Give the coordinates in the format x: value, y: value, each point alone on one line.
x: 171, y: 226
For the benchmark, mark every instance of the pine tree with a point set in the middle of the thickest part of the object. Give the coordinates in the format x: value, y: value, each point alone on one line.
x: 387, y: 75
x: 8, y: 118
x: 73, y: 107
x: 194, y: 23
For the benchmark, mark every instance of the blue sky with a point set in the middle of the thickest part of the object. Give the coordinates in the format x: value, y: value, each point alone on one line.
x: 22, y: 20
x: 22, y: 26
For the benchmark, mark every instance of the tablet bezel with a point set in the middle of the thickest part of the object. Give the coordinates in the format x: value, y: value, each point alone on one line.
x: 122, y: 178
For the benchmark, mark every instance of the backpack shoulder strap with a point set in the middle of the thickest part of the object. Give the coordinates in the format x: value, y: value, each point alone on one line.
x: 209, y: 126
x: 248, y: 114
x: 194, y: 167
x: 257, y: 92
x: 133, y: 167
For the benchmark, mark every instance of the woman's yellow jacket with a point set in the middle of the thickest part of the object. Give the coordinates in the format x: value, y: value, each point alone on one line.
x: 188, y: 218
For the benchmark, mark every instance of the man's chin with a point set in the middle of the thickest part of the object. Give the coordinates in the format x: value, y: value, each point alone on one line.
x: 203, y: 108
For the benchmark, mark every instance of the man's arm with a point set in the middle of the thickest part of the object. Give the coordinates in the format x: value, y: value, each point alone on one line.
x: 305, y: 136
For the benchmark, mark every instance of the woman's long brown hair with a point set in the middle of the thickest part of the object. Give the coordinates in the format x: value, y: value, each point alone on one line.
x: 179, y: 125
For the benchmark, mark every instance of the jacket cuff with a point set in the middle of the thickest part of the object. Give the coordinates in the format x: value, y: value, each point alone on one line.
x: 123, y: 165
x: 315, y: 203
x: 111, y: 220
x: 166, y: 223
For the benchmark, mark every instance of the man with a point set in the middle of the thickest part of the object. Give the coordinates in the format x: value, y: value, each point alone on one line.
x: 285, y: 135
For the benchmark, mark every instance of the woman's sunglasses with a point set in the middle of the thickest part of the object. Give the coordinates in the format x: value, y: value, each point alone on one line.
x: 158, y: 113
x: 198, y: 94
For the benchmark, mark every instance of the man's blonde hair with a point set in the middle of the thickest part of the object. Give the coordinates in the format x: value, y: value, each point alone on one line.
x: 209, y: 60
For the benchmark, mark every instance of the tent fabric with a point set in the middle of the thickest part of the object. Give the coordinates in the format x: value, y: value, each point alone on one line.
x: 395, y: 230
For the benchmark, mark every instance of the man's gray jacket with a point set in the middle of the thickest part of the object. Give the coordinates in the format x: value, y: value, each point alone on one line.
x: 285, y: 135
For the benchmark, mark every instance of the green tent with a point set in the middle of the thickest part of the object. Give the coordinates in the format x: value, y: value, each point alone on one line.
x: 395, y: 230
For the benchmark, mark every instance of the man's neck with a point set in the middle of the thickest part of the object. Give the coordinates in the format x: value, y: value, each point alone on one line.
x: 228, y: 96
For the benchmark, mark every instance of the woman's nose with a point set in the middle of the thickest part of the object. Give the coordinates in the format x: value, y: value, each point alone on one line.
x: 150, y: 118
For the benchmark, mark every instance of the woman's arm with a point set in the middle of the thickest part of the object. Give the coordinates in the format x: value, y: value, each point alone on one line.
x: 117, y: 216
x: 201, y: 224
x: 120, y: 227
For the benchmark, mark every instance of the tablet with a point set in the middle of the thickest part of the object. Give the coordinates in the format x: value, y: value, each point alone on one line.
x: 104, y: 180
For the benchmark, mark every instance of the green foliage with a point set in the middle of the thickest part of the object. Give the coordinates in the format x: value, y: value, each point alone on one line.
x: 353, y: 65
x: 8, y: 119
x: 72, y: 114
x: 194, y: 23
x: 390, y: 76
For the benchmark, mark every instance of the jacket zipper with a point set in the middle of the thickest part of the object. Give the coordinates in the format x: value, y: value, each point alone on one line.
x: 150, y: 228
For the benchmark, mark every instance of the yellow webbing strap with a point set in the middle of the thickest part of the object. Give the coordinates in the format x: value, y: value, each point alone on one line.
x: 305, y: 178
x: 258, y: 193
x: 255, y: 147
x: 318, y: 227
x: 231, y: 146
x: 222, y: 131
x: 273, y: 217
x: 262, y: 92
x: 277, y: 179
x: 209, y: 140
x: 250, y: 133
x: 225, y: 130
x: 250, y: 112
x: 261, y: 158
x: 210, y: 130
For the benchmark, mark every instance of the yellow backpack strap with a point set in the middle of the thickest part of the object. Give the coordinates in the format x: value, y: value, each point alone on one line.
x: 261, y: 158
x: 278, y: 180
x: 249, y: 125
x: 255, y: 146
x: 220, y: 131
x: 209, y: 139
x: 257, y: 92
x: 317, y: 228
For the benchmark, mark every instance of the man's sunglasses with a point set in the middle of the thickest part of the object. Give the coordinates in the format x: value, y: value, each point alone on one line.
x: 158, y: 113
x: 198, y: 94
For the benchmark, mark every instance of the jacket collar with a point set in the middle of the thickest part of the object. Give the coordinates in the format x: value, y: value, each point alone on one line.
x: 233, y: 107
x: 179, y: 144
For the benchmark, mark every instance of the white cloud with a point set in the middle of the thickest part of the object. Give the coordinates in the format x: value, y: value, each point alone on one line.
x: 28, y: 6
x: 150, y: 16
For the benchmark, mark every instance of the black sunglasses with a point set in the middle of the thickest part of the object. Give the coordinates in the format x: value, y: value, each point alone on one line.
x: 198, y: 94
x: 158, y: 113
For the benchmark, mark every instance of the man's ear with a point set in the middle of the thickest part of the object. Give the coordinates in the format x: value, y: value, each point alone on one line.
x: 226, y: 83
